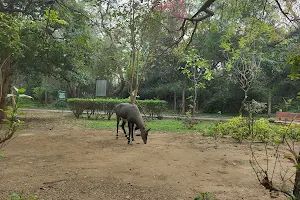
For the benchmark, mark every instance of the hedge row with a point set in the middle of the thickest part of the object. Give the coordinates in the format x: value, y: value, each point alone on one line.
x: 96, y: 107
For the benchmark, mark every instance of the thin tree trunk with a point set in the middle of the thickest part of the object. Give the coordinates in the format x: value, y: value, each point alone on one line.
x: 195, y: 100
x: 175, y: 103
x: 46, y: 97
x: 137, y: 77
x: 120, y: 86
x: 243, y: 102
x: 132, y: 20
x: 4, y: 82
x: 296, y: 191
x: 270, y: 105
x: 183, y: 102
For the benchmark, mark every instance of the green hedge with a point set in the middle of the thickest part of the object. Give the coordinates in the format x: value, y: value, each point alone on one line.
x: 96, y: 107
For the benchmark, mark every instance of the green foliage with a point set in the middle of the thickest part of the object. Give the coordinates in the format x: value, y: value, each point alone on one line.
x: 294, y: 62
x: 39, y: 92
x: 264, y: 132
x: 205, y: 196
x: 255, y: 107
x: 164, y: 125
x: 189, y: 122
x: 53, y: 17
x: 16, y: 196
x: 12, y: 121
x: 290, y: 132
x: 198, y: 72
x: 261, y: 130
x: 9, y: 32
x: 106, y: 105
x: 152, y: 107
x: 236, y: 127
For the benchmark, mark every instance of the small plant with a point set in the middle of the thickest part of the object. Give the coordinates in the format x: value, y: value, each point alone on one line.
x: 16, y: 196
x: 204, y: 196
x: 12, y: 121
x: 189, y: 122
x: 38, y: 93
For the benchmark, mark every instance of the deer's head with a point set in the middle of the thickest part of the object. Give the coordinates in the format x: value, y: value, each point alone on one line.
x: 144, y: 134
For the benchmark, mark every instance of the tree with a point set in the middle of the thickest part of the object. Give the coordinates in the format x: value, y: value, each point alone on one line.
x: 10, y: 45
x: 197, y: 70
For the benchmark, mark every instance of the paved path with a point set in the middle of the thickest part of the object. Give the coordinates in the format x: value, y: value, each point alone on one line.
x: 203, y: 118
x: 164, y: 116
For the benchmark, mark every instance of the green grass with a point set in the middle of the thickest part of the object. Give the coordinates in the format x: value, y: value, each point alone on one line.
x: 166, y: 125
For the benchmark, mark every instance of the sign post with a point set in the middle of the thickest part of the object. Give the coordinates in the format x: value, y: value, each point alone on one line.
x: 101, y: 87
x: 62, y: 99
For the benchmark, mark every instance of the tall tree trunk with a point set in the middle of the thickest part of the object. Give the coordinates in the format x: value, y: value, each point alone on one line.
x: 243, y: 103
x: 5, y: 64
x: 183, y: 102
x: 296, y: 191
x: 195, y: 100
x: 46, y: 97
x: 132, y: 64
x: 71, y: 90
x: 270, y: 105
x: 132, y: 59
x: 120, y: 86
x: 175, y: 103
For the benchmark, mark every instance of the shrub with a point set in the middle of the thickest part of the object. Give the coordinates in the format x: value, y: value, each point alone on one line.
x: 204, y: 196
x: 189, y: 122
x: 290, y: 132
x: 263, y: 131
x: 38, y: 93
x: 95, y: 107
x: 236, y: 127
x: 152, y: 107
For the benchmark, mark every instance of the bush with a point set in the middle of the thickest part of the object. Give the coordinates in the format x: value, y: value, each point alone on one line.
x: 152, y: 107
x: 38, y: 93
x: 95, y: 107
x: 236, y: 127
x: 290, y: 132
x: 239, y: 129
x: 263, y: 131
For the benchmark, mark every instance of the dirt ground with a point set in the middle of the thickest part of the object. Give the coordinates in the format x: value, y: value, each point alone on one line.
x: 56, y: 157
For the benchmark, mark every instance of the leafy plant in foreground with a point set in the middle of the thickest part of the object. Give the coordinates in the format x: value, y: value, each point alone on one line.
x: 13, y: 122
x: 204, y: 196
x: 15, y: 196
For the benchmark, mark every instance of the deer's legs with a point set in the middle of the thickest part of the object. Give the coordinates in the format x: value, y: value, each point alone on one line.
x: 118, y: 120
x: 132, y: 138
x: 130, y: 127
x: 123, y: 127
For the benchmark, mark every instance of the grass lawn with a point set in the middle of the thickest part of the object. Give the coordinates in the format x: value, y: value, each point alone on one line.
x: 165, y: 125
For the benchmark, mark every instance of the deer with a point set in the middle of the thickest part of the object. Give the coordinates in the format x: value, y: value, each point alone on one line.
x: 130, y: 113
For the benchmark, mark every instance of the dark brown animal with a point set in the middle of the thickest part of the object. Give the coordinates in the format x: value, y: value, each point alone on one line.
x: 130, y: 113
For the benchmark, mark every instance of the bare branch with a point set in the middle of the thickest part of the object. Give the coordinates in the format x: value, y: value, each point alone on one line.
x: 204, y: 7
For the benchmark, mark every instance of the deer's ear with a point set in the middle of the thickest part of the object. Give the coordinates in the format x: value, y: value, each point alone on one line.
x: 148, y: 130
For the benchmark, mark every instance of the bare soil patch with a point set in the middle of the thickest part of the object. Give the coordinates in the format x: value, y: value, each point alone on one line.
x: 57, y: 158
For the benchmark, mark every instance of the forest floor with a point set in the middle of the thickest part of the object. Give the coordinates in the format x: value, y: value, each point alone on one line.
x: 57, y: 157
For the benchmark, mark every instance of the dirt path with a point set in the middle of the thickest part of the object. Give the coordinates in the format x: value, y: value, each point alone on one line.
x: 56, y: 159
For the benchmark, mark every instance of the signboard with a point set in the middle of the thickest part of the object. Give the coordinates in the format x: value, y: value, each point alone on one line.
x: 101, y: 88
x: 62, y: 95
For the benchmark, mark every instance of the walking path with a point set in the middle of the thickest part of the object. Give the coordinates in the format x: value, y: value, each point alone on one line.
x: 164, y: 115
